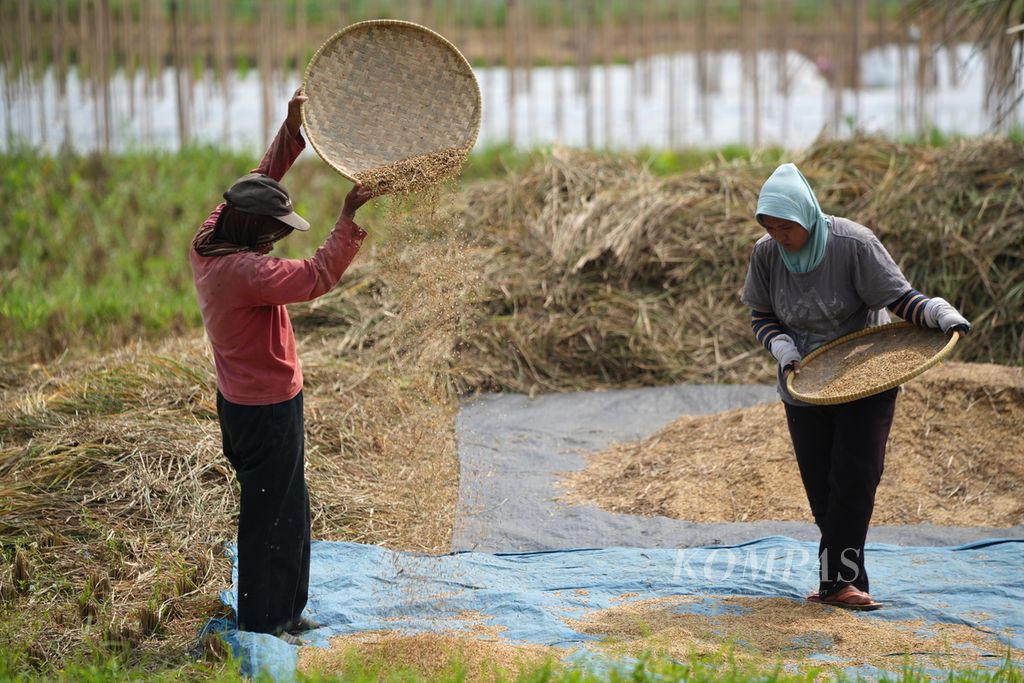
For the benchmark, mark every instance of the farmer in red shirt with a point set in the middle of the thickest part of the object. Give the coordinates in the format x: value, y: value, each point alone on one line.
x: 242, y: 294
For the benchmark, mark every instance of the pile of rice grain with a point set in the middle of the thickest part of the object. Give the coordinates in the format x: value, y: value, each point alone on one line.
x: 861, y: 374
x: 955, y: 458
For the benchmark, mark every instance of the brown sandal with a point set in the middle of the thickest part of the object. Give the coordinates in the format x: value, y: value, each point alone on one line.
x: 847, y: 598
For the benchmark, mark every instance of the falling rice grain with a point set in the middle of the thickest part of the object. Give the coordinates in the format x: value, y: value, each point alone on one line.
x: 415, y: 173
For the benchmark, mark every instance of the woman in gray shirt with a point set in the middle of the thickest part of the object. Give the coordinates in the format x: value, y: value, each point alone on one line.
x: 812, y: 279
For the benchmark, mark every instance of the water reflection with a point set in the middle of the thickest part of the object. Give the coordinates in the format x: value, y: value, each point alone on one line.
x: 651, y: 103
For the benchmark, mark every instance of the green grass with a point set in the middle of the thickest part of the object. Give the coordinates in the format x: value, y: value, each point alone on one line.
x: 93, y: 245
x: 720, y: 667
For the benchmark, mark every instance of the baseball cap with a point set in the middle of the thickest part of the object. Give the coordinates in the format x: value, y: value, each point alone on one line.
x: 260, y: 194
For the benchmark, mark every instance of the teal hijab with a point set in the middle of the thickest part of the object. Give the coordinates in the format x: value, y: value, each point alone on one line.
x: 787, y: 194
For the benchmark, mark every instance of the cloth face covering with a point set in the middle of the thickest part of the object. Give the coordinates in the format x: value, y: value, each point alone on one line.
x: 787, y: 194
x: 237, y: 231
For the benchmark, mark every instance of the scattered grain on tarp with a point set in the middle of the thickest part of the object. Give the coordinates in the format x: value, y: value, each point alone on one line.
x: 478, y: 657
x: 768, y: 630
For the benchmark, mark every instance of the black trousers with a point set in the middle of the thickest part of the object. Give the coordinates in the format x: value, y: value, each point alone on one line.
x: 841, y: 453
x: 265, y: 445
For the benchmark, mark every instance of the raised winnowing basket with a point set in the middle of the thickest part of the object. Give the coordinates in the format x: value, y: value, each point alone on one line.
x: 391, y: 104
x: 868, y: 362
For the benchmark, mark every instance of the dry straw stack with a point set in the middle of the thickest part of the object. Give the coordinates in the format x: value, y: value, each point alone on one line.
x: 593, y: 272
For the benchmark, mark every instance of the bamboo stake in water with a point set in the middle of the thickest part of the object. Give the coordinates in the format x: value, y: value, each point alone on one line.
x: 39, y: 66
x: 343, y: 17
x: 783, y: 77
x: 24, y: 75
x: 61, y: 64
x: 299, y: 43
x: 903, y: 77
x: 633, y: 55
x: 584, y: 46
x: 103, y: 48
x: 857, y: 46
x: 88, y: 53
x: 127, y: 52
x: 647, y: 19
x: 7, y: 53
x: 673, y: 77
x: 155, y: 37
x: 264, y: 62
x: 924, y: 74
x: 491, y: 45
x: 524, y: 56
x: 556, y: 18
x: 177, y: 31
x: 524, y: 29
x: 751, y: 78
x: 510, y: 68
x: 606, y: 63
x: 838, y: 66
x: 703, y: 70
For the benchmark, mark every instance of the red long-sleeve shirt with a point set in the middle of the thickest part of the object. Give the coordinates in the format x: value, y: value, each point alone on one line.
x: 242, y: 298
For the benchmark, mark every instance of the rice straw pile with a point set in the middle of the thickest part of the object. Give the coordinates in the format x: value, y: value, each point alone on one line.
x: 596, y: 273
x: 955, y: 458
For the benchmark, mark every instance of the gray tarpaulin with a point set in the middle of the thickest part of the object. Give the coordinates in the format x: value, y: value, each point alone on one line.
x: 512, y: 450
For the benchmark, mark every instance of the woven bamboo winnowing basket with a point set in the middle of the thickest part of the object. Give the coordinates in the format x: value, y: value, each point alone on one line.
x: 868, y: 362
x: 382, y: 91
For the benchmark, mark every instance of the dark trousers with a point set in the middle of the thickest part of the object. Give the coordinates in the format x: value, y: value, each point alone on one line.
x: 265, y: 445
x: 841, y: 453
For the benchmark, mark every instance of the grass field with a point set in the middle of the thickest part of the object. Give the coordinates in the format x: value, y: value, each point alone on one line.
x: 648, y: 668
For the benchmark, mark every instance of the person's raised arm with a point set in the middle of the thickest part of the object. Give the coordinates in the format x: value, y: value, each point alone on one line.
x: 288, y: 281
x: 287, y: 144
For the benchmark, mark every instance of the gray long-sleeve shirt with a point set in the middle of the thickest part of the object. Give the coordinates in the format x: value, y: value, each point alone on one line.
x: 847, y: 292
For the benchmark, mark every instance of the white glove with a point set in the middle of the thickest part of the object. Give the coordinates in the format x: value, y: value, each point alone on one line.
x: 784, y: 350
x: 940, y: 313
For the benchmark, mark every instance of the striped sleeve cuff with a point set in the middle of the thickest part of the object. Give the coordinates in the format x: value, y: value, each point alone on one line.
x: 911, y: 307
x: 766, y: 327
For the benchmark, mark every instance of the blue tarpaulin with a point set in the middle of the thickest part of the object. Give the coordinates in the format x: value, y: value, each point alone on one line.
x: 356, y: 588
